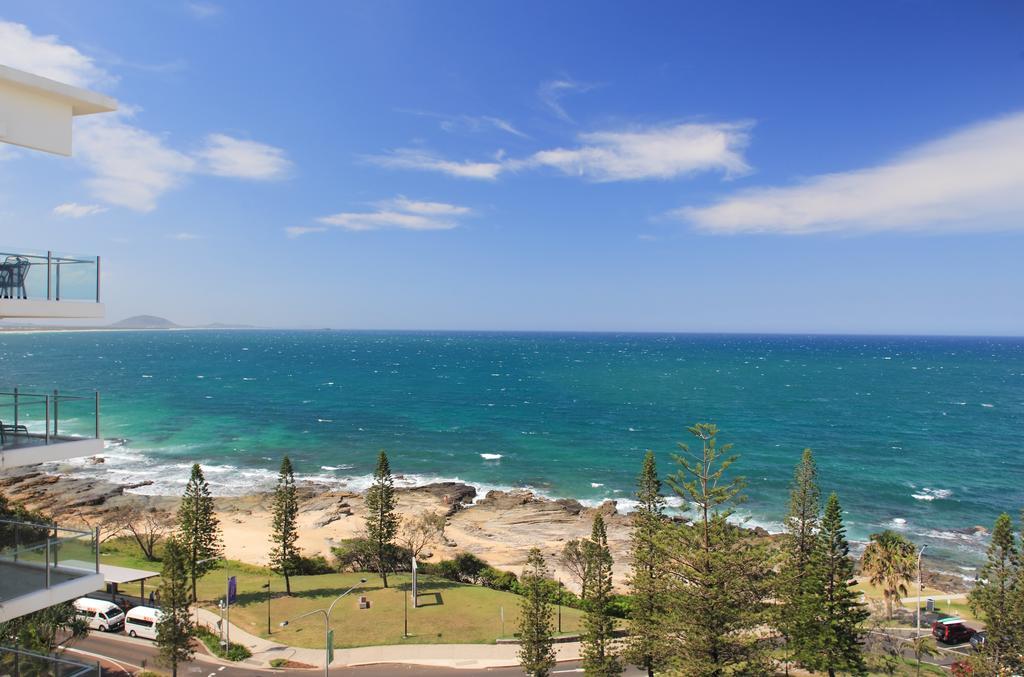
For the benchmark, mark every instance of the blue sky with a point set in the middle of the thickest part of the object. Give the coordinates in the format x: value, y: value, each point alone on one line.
x: 759, y: 167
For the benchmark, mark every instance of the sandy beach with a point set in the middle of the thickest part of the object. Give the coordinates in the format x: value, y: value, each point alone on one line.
x: 500, y: 527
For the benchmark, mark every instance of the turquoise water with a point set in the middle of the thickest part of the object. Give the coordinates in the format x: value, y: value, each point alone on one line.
x: 920, y: 434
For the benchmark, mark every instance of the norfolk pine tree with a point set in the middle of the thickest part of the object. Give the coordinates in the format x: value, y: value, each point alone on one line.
x: 284, y: 556
x: 198, y: 528
x: 174, y: 631
x: 718, y: 576
x: 598, y: 637
x: 381, y: 520
x: 645, y: 647
x: 835, y: 644
x: 996, y: 600
x: 536, y: 655
x: 797, y: 612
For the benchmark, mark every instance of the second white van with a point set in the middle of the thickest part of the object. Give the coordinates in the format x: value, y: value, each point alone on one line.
x: 140, y: 621
x: 100, y: 614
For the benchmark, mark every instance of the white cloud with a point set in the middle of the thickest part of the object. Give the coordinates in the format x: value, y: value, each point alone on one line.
x: 972, y: 179
x: 185, y: 237
x: 552, y: 91
x: 132, y: 167
x: 299, y: 231
x: 44, y: 55
x: 411, y: 158
x: 662, y: 152
x: 224, y: 155
x: 469, y: 123
x: 74, y: 210
x: 652, y: 153
x: 203, y: 10
x: 398, y: 213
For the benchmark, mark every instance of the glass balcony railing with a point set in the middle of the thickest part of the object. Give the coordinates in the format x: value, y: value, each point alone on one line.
x: 49, y: 276
x: 28, y: 419
x: 36, y: 557
x: 23, y: 663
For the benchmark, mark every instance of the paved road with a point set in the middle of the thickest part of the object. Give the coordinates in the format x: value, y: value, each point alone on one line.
x: 127, y: 655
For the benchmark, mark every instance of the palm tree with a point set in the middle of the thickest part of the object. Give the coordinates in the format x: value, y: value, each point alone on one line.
x: 923, y: 647
x: 889, y: 560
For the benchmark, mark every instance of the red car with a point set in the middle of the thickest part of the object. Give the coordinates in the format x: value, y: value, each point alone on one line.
x: 951, y: 631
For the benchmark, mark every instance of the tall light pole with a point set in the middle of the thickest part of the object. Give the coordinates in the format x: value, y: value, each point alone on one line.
x: 920, y: 554
x: 327, y: 625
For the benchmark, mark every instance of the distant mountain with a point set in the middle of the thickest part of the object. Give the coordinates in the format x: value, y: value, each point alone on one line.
x: 144, y: 322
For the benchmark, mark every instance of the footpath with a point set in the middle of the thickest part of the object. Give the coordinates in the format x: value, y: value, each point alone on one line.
x: 466, y: 656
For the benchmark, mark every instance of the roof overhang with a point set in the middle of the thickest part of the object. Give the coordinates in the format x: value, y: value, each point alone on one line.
x: 36, y: 112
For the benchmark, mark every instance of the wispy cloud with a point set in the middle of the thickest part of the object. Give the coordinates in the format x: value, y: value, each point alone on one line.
x: 74, y: 210
x: 299, y: 231
x: 412, y: 158
x: 203, y: 10
x: 224, y: 155
x: 468, y: 123
x: 653, y: 153
x: 45, y: 55
x: 969, y: 180
x: 185, y: 237
x: 131, y: 167
x: 398, y: 213
x: 551, y: 92
x: 660, y: 152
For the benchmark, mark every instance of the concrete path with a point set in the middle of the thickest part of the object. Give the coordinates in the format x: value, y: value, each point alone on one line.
x: 460, y: 656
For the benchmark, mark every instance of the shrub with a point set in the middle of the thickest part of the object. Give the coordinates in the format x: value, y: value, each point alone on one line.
x: 313, y: 566
x: 470, y: 567
x: 358, y: 554
x: 234, y: 652
x: 499, y: 580
x: 279, y: 662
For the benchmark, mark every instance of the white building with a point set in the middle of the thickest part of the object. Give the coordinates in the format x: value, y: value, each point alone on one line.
x: 37, y: 113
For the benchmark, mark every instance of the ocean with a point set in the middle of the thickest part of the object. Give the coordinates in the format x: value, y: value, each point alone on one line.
x: 922, y: 435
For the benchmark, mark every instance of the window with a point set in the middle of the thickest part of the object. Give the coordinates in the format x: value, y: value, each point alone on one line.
x: 142, y: 622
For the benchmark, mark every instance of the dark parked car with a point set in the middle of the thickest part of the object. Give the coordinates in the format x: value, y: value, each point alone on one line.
x: 951, y: 631
x: 978, y: 640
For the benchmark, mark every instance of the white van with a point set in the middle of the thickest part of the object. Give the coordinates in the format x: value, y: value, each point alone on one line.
x: 140, y: 621
x: 100, y: 614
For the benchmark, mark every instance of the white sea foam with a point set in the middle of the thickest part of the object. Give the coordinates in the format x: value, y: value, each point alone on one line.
x: 987, y: 405
x: 929, y: 494
x: 490, y: 457
x: 336, y: 467
x: 595, y: 485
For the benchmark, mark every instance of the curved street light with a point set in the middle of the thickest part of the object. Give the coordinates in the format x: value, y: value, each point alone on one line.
x: 327, y: 624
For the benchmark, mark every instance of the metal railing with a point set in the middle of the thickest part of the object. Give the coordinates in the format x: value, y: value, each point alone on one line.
x: 21, y: 663
x: 49, y: 276
x: 38, y: 550
x: 36, y: 418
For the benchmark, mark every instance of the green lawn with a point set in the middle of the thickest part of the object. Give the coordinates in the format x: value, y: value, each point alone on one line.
x: 449, y: 612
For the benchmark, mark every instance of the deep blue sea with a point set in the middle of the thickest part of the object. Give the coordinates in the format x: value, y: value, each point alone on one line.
x: 924, y: 435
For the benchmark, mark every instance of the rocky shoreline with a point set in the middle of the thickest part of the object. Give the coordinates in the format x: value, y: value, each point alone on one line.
x: 499, y: 527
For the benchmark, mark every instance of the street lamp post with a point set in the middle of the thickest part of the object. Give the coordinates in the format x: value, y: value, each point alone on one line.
x: 327, y: 625
x: 920, y: 554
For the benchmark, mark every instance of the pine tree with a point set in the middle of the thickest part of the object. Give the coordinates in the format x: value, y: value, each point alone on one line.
x: 284, y: 556
x: 381, y: 520
x: 995, y: 599
x: 645, y: 646
x: 835, y: 644
x: 719, y: 576
x: 536, y: 653
x: 198, y: 528
x: 796, y: 613
x: 598, y: 651
x: 174, y: 631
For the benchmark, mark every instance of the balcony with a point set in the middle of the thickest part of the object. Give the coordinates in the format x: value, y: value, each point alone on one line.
x: 48, y: 427
x: 15, y: 661
x: 42, y: 565
x: 49, y: 286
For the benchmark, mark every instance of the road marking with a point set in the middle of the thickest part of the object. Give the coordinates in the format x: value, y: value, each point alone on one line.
x: 556, y: 672
x: 102, y: 657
